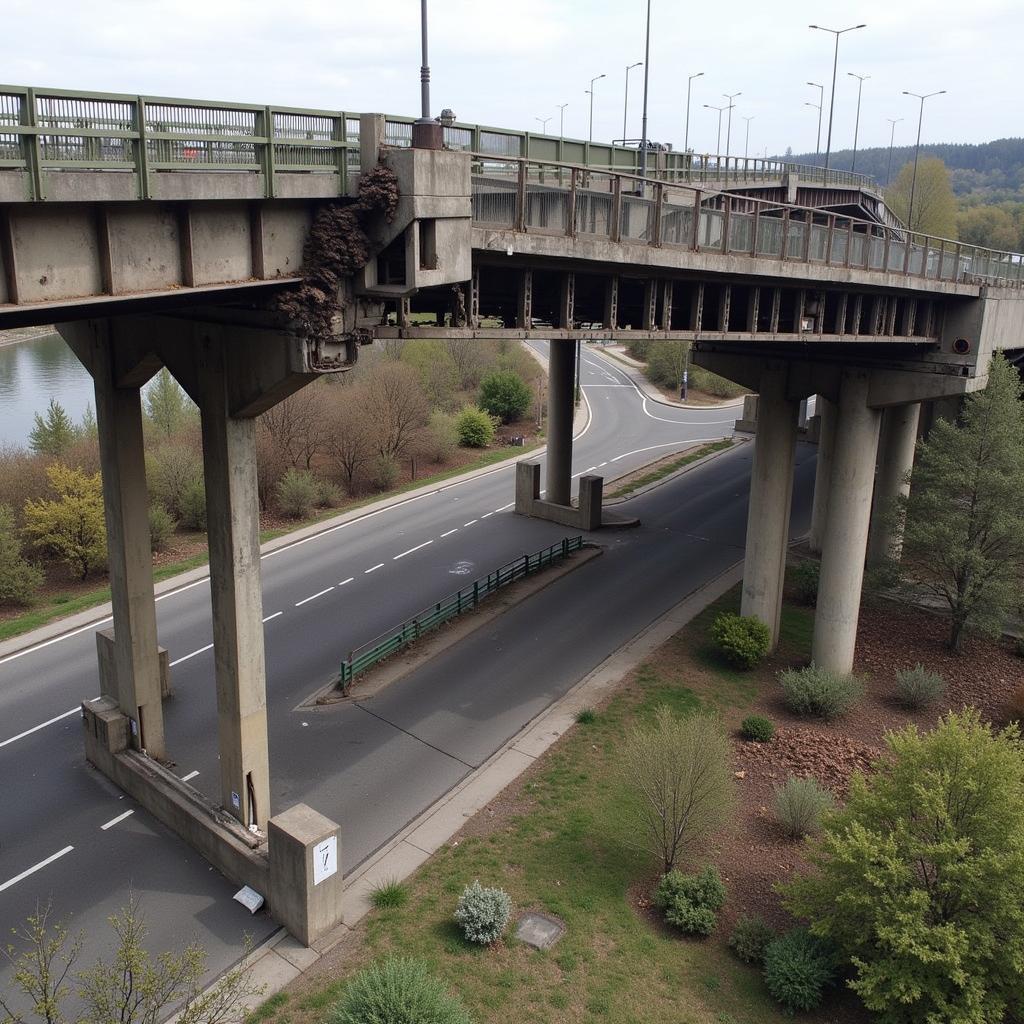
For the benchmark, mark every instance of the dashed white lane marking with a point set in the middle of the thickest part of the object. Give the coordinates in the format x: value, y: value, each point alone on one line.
x: 345, y: 582
x: 114, y: 821
x: 313, y: 597
x: 449, y: 533
x: 185, y: 657
x: 470, y: 523
x: 505, y: 508
x: 190, y: 776
x: 274, y: 616
x: 373, y: 568
x: 411, y: 550
x: 35, y: 867
x: 487, y: 515
x: 603, y: 464
x: 591, y: 470
x: 42, y: 725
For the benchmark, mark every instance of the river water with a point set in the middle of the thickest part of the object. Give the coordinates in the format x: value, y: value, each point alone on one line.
x: 31, y: 373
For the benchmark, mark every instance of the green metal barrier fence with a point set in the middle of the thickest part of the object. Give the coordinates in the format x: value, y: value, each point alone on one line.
x: 464, y: 600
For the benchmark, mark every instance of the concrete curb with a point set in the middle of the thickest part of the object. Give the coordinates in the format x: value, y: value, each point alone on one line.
x: 281, y: 959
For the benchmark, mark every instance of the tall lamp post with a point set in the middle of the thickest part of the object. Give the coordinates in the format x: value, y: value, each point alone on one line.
x: 543, y: 124
x: 837, y: 32
x: 426, y: 133
x: 590, y: 91
x: 917, y: 150
x: 686, y: 134
x: 643, y: 120
x: 820, y: 104
x: 728, y: 130
x: 893, y: 121
x: 861, y: 79
x: 718, y: 144
x: 625, y: 99
x: 746, y: 140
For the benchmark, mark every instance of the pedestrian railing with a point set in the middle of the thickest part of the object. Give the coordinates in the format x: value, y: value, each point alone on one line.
x: 362, y: 658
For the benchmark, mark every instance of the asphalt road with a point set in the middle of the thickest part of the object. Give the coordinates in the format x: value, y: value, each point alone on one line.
x: 68, y: 835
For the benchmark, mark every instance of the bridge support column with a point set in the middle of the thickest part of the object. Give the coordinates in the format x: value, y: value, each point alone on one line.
x: 771, y: 491
x: 232, y: 509
x: 846, y: 528
x: 895, y: 460
x: 561, y: 385
x: 826, y: 447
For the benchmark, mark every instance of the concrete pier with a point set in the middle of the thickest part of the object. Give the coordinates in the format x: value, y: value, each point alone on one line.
x: 823, y: 473
x: 561, y: 385
x: 896, y: 444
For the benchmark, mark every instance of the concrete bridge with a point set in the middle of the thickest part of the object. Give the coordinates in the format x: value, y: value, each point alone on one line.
x: 160, y: 232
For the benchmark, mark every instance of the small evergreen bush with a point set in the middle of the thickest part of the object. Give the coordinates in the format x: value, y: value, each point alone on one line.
x: 296, y: 493
x: 691, y: 902
x: 917, y: 687
x: 757, y: 728
x: 819, y: 692
x: 505, y: 394
x: 19, y: 578
x: 743, y: 640
x: 474, y: 428
x: 797, y: 969
x: 483, y: 913
x: 192, y: 503
x: 750, y: 938
x: 398, y: 991
x: 161, y: 526
x: 800, y: 805
x: 804, y: 578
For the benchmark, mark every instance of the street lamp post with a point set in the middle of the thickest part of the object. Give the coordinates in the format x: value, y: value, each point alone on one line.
x: 643, y: 120
x: 817, y: 107
x: 686, y: 134
x: 893, y: 121
x: 917, y: 150
x: 426, y: 132
x: 746, y: 140
x: 590, y: 91
x: 718, y: 144
x: 820, y: 104
x: 543, y: 124
x: 861, y: 79
x: 625, y: 99
x: 837, y: 32
x: 728, y: 130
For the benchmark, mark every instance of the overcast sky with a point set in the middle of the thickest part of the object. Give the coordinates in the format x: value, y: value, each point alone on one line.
x: 507, y: 62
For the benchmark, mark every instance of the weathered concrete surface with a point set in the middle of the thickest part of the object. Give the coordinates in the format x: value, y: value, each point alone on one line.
x: 896, y: 444
x: 826, y: 410
x: 561, y: 384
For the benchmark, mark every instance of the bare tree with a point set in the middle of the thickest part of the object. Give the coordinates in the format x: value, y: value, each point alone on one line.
x: 396, y: 408
x: 297, y: 425
x: 469, y: 359
x: 349, y: 437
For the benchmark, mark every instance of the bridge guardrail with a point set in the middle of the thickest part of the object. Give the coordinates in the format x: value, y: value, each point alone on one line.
x: 451, y: 607
x: 541, y: 197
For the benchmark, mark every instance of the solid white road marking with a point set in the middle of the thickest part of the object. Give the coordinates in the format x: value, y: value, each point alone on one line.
x: 36, y: 867
x: 114, y: 821
x: 449, y: 533
x: 192, y: 655
x: 411, y: 550
x: 379, y: 565
x: 42, y: 725
x: 349, y: 580
x: 313, y: 597
x: 274, y: 616
x: 190, y: 776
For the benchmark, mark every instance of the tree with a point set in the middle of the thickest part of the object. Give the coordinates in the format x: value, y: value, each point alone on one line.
x: 468, y: 357
x: 474, y: 428
x: 19, y: 579
x: 396, y: 408
x: 678, y: 783
x: 88, y: 430
x: 437, y: 371
x: 168, y: 408
x: 296, y: 426
x: 505, y: 394
x: 666, y: 361
x: 994, y: 227
x: 962, y: 537
x: 348, y: 437
x: 72, y: 526
x: 918, y: 879
x: 172, y: 470
x: 934, y: 210
x: 54, y: 433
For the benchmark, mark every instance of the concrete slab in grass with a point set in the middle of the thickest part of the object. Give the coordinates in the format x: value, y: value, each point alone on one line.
x: 541, y: 931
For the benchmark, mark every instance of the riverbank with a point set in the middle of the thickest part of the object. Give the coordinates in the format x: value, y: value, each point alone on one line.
x: 19, y: 334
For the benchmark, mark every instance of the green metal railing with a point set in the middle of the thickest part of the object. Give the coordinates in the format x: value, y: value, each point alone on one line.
x: 464, y: 600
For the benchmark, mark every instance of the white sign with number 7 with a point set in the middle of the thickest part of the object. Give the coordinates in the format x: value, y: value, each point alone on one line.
x: 325, y: 859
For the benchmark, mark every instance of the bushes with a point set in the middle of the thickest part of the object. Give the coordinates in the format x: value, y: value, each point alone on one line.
x: 161, y: 526
x: 297, y: 493
x: 750, y: 938
x: 474, y: 428
x: 385, y: 473
x: 1014, y: 710
x: 757, y: 728
x: 193, y: 506
x: 743, y: 641
x: 819, y: 692
x: 804, y: 578
x: 440, y: 438
x: 800, y: 805
x: 328, y: 495
x: 917, y: 687
x: 19, y: 579
x: 798, y: 967
x: 172, y: 470
x: 398, y: 991
x: 505, y: 394
x: 483, y: 913
x: 691, y: 902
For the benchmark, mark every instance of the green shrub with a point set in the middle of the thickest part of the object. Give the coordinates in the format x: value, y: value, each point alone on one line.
x: 750, y: 938
x: 757, y: 728
x: 171, y: 470
x: 192, y: 502
x: 161, y: 526
x: 917, y: 687
x: 804, y: 578
x: 798, y: 967
x: 819, y: 692
x: 19, y: 578
x: 441, y: 438
x: 691, y: 902
x: 389, y: 893
x: 296, y: 493
x: 398, y: 991
x: 328, y: 494
x: 505, y: 394
x: 385, y: 473
x: 586, y: 717
x: 638, y: 350
x: 743, y: 640
x: 800, y: 805
x: 474, y: 427
x: 483, y: 913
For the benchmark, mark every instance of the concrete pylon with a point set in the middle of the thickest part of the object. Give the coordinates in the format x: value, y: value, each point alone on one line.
x: 826, y: 447
x: 134, y: 681
x: 561, y: 406
x: 896, y: 444
x: 771, y: 492
x: 232, y: 508
x: 846, y: 528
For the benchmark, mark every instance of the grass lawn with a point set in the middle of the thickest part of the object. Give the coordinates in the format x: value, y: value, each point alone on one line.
x: 550, y: 840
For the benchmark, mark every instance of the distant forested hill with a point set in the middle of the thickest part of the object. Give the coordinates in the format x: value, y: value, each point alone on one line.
x: 990, y: 172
